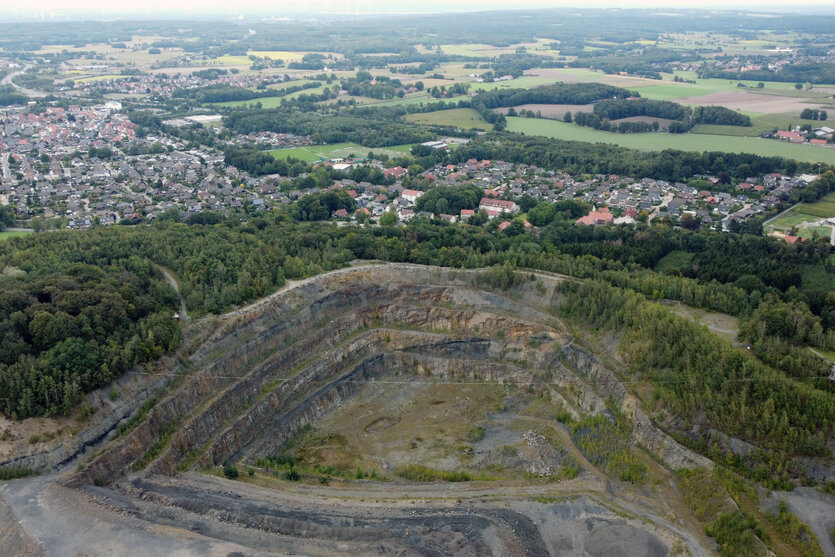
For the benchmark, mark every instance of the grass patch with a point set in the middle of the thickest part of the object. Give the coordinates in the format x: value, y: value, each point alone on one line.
x: 314, y: 153
x: 789, y: 219
x: 819, y: 209
x: 463, y: 118
x: 676, y: 260
x: 6, y: 234
x: 420, y: 473
x: 759, y: 125
x: 810, y: 231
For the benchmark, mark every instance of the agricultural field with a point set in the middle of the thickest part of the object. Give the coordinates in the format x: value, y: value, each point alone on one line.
x: 94, y: 78
x: 464, y: 118
x: 278, y: 55
x: 267, y: 102
x: 127, y: 56
x: 759, y: 125
x: 314, y: 153
x: 661, y: 141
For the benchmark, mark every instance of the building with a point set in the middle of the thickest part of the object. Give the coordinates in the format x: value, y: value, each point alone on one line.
x: 497, y: 205
x: 601, y: 216
x: 411, y: 195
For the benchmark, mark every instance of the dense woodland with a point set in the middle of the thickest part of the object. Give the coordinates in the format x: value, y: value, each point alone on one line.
x: 47, y: 329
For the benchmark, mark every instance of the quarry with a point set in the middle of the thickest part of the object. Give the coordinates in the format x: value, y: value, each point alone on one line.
x: 381, y: 409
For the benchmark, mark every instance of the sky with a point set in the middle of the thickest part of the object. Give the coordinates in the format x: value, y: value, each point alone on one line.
x: 294, y: 8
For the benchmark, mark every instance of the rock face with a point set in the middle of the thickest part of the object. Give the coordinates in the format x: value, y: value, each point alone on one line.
x: 271, y: 370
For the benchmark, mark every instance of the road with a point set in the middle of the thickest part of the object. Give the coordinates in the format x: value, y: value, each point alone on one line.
x: 31, y: 92
x: 62, y: 522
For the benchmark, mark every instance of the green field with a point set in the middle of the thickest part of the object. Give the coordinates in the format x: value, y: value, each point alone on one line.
x: 789, y: 219
x: 314, y: 153
x: 5, y: 234
x: 463, y: 118
x: 820, y: 209
x: 806, y: 212
x: 94, y: 78
x: 277, y: 55
x: 809, y: 231
x: 229, y: 60
x: 524, y: 82
x: 671, y: 91
x: 269, y: 102
x: 684, y: 142
x: 759, y: 124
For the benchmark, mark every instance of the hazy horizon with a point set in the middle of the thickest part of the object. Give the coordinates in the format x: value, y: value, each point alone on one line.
x: 261, y: 9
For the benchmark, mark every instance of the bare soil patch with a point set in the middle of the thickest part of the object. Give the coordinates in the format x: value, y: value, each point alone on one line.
x: 750, y: 102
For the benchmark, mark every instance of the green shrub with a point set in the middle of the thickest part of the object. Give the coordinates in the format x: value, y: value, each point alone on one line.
x: 230, y: 471
x: 15, y: 472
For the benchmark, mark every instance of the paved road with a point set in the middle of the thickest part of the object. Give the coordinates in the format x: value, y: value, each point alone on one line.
x: 31, y: 92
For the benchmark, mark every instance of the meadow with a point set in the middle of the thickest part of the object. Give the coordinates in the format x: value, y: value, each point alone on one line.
x: 683, y: 142
x: 314, y: 153
x: 463, y: 118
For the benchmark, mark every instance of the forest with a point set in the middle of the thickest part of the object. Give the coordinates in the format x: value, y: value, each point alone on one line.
x: 560, y: 93
x: 62, y: 335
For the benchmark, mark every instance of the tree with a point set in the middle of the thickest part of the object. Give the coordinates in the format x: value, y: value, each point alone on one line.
x: 567, y: 117
x: 689, y: 222
x: 388, y: 218
x: 798, y: 86
x: 419, y: 86
x: 760, y: 85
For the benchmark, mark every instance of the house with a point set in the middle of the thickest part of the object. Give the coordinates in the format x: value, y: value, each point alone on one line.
x: 466, y: 214
x: 339, y: 213
x: 411, y: 195
x: 497, y: 205
x: 791, y: 137
x: 602, y: 216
